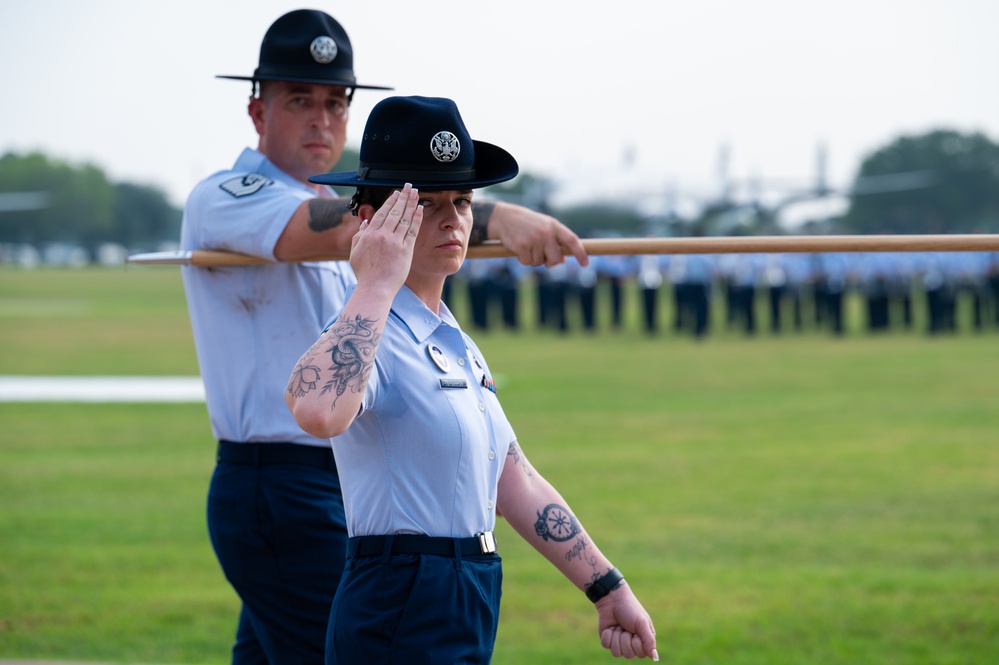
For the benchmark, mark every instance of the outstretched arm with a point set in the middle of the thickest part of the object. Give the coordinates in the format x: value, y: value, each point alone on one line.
x: 319, y: 226
x: 323, y: 226
x: 327, y: 385
x: 542, y: 517
x: 537, y: 239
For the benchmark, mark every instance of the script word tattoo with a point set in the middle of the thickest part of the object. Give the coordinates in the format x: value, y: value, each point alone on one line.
x: 556, y: 523
x: 579, y: 550
x: 351, y: 345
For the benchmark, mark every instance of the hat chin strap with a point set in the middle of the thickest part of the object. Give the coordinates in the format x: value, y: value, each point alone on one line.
x: 355, y: 201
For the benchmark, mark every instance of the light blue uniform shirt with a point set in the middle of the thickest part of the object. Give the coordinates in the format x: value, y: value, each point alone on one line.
x: 426, y: 452
x: 252, y: 323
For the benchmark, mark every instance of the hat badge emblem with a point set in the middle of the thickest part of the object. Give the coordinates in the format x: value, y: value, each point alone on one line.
x: 323, y: 49
x: 445, y: 147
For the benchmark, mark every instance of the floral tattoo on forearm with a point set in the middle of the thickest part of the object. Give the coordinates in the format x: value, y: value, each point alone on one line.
x: 304, y: 378
x: 351, y: 345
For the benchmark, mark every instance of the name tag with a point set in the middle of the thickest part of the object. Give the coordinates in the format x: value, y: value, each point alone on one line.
x: 450, y: 384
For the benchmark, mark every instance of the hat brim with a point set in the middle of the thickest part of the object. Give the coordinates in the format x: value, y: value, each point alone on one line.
x: 300, y: 79
x: 493, y: 165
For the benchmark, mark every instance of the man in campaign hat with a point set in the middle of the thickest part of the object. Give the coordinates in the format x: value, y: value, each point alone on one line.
x: 328, y: 60
x: 427, y: 454
x: 275, y: 512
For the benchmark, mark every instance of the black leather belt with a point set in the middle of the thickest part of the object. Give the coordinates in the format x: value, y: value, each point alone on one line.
x: 408, y: 543
x: 262, y: 454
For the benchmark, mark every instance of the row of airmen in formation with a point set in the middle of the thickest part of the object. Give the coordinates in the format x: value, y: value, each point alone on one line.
x: 797, y: 289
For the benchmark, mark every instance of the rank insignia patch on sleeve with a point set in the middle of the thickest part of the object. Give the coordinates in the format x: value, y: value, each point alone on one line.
x: 245, y: 185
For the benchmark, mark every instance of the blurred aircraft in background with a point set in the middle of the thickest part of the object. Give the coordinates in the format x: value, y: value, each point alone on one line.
x: 767, y: 205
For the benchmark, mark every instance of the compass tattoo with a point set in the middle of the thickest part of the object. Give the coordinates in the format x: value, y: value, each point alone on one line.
x: 556, y: 523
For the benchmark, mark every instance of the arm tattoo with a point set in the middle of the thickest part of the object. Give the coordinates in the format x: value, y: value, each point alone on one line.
x: 326, y: 214
x: 304, y: 378
x: 352, y: 346
x: 517, y: 457
x: 578, y: 551
x: 597, y: 575
x: 481, y: 212
x: 556, y: 523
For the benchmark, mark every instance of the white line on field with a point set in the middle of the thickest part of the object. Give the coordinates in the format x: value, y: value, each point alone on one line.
x: 101, y: 389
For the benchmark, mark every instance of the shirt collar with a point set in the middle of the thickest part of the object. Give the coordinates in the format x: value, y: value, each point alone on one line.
x: 415, y: 314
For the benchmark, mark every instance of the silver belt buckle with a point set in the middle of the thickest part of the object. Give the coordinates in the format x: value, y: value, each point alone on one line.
x: 487, y: 542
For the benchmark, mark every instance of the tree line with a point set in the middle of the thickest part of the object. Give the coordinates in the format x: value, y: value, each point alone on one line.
x: 953, y: 188
x: 79, y: 205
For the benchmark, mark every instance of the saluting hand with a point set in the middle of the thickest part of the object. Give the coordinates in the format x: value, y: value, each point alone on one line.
x: 381, y: 251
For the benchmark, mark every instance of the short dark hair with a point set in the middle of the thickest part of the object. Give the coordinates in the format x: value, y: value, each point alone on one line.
x: 374, y: 196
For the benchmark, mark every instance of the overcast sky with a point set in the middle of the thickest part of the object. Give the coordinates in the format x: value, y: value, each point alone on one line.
x: 622, y: 97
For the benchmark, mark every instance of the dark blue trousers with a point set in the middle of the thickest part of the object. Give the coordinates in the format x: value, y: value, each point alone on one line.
x: 279, y: 533
x: 417, y: 609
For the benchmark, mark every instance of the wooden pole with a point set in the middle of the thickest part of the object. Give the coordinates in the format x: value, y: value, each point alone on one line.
x: 638, y: 246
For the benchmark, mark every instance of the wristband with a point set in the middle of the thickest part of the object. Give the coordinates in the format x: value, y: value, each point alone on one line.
x: 604, y: 585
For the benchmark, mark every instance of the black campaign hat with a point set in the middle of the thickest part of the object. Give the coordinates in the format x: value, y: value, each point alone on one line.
x: 423, y: 141
x: 306, y: 46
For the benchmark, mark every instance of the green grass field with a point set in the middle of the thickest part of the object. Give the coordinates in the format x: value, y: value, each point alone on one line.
x: 778, y: 500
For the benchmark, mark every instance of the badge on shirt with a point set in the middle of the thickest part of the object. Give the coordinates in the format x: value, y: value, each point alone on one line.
x: 438, y: 357
x: 488, y: 383
x: 245, y: 185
